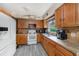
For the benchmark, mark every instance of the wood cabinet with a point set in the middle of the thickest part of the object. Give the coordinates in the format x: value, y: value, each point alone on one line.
x: 54, y: 49
x: 58, y: 53
x: 48, y: 46
x: 51, y: 48
x: 39, y: 24
x: 39, y: 37
x: 63, y: 51
x: 45, y: 23
x: 67, y: 15
x: 59, y: 17
x: 77, y: 14
x: 21, y: 23
x: 21, y: 39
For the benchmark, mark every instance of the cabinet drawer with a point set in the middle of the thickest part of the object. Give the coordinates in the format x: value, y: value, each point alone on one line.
x: 64, y: 51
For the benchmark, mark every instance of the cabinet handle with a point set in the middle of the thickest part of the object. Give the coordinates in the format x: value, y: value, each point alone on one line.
x: 63, y: 18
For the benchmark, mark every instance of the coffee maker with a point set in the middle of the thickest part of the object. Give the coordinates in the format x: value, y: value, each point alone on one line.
x: 61, y: 34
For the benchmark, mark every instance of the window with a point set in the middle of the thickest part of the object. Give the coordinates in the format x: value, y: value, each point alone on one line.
x: 51, y: 26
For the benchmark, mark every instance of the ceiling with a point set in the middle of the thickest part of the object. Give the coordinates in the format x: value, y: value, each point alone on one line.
x: 23, y: 9
x: 27, y: 9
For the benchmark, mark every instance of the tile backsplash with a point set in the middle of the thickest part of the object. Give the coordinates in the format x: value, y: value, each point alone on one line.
x: 73, y: 36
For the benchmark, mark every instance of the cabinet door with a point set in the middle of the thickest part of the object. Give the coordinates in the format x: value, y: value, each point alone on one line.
x: 59, y: 17
x: 69, y: 14
x: 39, y: 24
x: 58, y: 53
x: 51, y: 49
x: 77, y: 14
x: 45, y: 23
x: 63, y: 51
x: 21, y: 39
x: 39, y: 37
x: 22, y: 23
x: 42, y: 38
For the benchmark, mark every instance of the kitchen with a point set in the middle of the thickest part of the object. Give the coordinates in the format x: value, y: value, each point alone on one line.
x: 40, y: 29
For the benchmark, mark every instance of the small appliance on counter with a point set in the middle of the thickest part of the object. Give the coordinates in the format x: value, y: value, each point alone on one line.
x: 61, y: 34
x: 41, y: 30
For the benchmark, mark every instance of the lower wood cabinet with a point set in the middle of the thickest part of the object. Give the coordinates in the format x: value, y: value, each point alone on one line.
x: 54, y: 49
x: 21, y: 39
x: 39, y: 37
x: 48, y: 46
x: 58, y: 53
x: 64, y: 51
x: 51, y: 49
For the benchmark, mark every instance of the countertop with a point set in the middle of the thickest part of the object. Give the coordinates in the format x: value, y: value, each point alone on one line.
x: 70, y: 46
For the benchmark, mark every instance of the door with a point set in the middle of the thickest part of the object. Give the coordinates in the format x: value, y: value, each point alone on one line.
x: 69, y: 14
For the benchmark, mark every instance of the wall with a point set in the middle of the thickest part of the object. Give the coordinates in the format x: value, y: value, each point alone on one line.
x: 8, y: 40
x: 52, y: 9
x: 73, y: 35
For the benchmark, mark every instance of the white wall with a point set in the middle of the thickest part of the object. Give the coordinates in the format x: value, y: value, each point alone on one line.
x: 52, y: 9
x: 8, y: 40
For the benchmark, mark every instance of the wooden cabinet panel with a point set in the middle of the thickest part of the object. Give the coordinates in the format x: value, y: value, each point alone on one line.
x: 39, y: 37
x: 22, y: 23
x: 42, y: 38
x: 59, y: 17
x: 39, y: 24
x: 69, y: 14
x: 77, y: 14
x: 58, y: 53
x: 64, y: 51
x: 51, y: 49
x: 45, y: 23
x: 21, y: 39
x: 54, y: 49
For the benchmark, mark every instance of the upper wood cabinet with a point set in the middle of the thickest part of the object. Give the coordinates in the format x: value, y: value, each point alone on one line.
x: 77, y: 14
x: 59, y: 17
x: 21, y: 23
x: 67, y: 15
x: 45, y: 23
x: 39, y: 24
